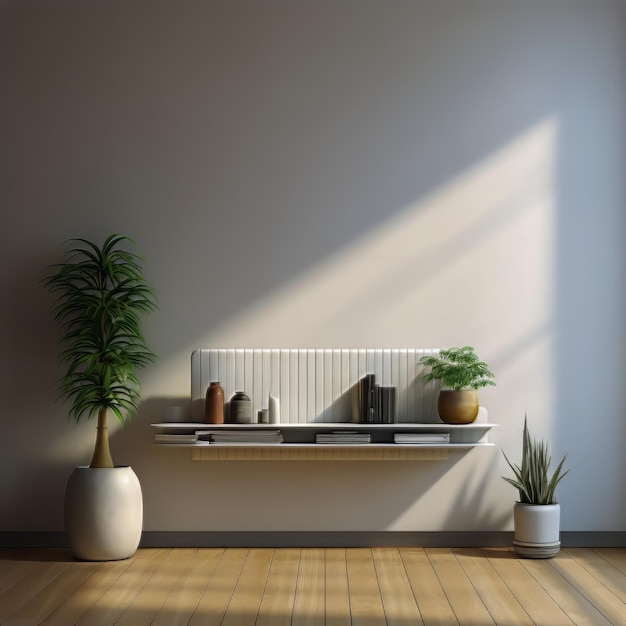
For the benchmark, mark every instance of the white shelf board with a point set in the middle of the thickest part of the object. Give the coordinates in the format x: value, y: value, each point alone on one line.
x: 325, y: 425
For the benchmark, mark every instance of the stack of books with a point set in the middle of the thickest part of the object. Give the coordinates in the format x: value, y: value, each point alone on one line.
x: 244, y: 437
x: 421, y: 438
x: 343, y: 437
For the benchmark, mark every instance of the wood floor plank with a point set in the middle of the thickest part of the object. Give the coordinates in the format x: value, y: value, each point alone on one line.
x: 74, y: 607
x: 465, y: 602
x: 398, y: 599
x: 573, y: 603
x: 38, y: 608
x: 277, y: 604
x: 154, y: 593
x: 602, y: 598
x: 246, y: 599
x: 366, y: 604
x: 27, y: 588
x: 111, y: 605
x: 543, y: 610
x: 337, y: 595
x: 502, y: 605
x: 12, y: 571
x: 309, y: 600
x: 431, y: 599
x: 214, y: 602
x: 182, y: 602
x: 601, y: 570
x: 615, y: 556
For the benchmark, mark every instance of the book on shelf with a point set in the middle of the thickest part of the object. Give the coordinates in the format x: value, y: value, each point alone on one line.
x: 174, y: 438
x: 343, y: 437
x: 421, y: 437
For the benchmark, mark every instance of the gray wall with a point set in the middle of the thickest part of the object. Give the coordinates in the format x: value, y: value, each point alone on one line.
x: 324, y: 174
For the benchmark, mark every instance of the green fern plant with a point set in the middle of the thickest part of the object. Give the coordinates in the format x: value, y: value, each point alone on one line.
x: 101, y: 295
x: 458, y: 368
x: 532, y: 478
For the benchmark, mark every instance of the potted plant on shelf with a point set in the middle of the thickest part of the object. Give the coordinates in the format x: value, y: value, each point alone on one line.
x: 461, y: 374
x: 101, y: 295
x: 536, y: 516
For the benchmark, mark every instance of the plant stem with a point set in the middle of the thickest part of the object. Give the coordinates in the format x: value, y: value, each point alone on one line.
x: 101, y: 453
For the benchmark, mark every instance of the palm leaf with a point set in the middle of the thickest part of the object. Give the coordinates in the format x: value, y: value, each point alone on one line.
x: 101, y: 296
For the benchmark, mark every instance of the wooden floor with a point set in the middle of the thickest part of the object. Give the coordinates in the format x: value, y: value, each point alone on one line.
x: 368, y: 587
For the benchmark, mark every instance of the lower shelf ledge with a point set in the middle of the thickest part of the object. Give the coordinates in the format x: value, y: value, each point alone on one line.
x: 317, y: 453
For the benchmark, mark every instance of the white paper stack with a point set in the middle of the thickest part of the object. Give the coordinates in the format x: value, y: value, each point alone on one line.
x: 421, y: 437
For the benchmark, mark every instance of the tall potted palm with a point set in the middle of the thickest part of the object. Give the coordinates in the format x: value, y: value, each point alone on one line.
x: 101, y: 296
x: 536, y: 516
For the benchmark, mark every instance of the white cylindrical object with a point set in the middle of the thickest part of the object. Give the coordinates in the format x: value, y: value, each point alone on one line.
x: 103, y: 513
x: 274, y: 409
x: 537, y: 523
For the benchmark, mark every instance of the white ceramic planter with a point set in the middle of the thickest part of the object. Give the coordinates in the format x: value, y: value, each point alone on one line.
x: 103, y: 513
x: 537, y: 529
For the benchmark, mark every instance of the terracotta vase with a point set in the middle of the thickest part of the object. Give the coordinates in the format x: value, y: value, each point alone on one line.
x: 458, y: 407
x: 214, y: 404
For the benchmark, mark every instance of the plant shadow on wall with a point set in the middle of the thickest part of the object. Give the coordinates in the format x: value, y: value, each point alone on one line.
x: 472, y: 501
x: 197, y: 500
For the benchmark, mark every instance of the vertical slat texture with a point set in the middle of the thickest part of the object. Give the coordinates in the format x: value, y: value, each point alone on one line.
x: 213, y: 365
x: 303, y: 380
x: 294, y: 364
x: 229, y: 383
x: 320, y: 406
x: 337, y: 417
x: 266, y: 376
x: 310, y: 388
x: 328, y: 386
x: 346, y: 399
x: 240, y: 361
x: 248, y: 372
x: 257, y: 383
x: 354, y: 377
x: 316, y: 384
x: 197, y: 401
x: 284, y: 390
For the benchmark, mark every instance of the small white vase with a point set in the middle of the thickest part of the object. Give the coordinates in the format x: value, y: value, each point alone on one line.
x: 103, y: 513
x: 274, y: 409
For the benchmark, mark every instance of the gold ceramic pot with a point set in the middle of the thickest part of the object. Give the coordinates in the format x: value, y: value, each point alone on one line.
x: 458, y: 407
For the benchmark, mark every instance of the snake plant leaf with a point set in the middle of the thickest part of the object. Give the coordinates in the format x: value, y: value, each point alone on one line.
x: 532, y: 478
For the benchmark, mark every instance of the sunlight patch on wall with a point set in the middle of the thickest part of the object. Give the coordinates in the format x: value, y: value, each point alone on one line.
x: 469, y: 252
x: 472, y: 262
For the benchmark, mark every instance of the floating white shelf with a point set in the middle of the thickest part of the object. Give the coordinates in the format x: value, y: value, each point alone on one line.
x: 299, y: 441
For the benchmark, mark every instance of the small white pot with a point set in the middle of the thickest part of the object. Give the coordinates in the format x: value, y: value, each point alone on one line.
x: 537, y: 529
x: 103, y: 513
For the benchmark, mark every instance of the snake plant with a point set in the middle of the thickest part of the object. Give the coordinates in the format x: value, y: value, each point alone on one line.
x: 532, y: 478
x: 101, y: 296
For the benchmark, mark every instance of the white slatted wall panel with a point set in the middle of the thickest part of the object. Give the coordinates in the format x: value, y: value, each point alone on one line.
x: 314, y: 385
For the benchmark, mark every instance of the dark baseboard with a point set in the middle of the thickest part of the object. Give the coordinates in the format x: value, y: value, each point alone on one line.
x: 340, y: 539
